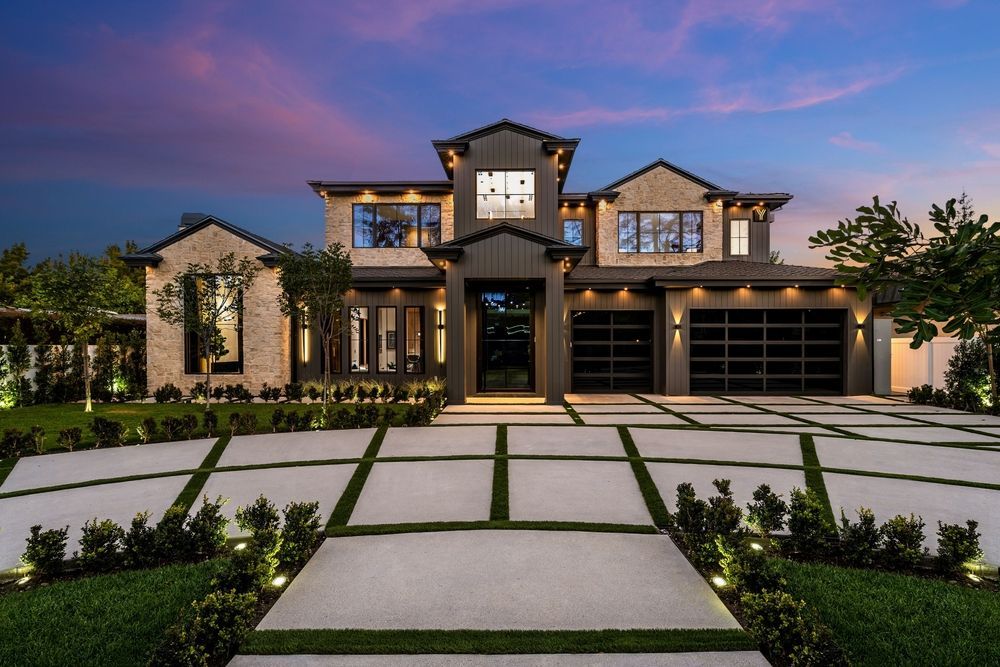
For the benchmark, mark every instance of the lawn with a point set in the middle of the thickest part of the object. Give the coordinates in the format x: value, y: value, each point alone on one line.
x: 115, y: 619
x: 881, y: 618
x: 53, y: 418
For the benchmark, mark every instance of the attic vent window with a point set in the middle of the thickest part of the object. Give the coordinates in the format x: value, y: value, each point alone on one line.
x: 505, y: 195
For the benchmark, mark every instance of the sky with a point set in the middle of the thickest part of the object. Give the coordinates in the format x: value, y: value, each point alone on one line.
x: 119, y: 116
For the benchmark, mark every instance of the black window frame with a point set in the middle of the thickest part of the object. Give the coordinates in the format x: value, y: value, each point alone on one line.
x: 636, y: 247
x: 364, y: 342
x: 192, y: 350
x: 580, y: 223
x: 533, y: 195
x: 374, y: 206
x: 420, y: 336
x: 394, y: 321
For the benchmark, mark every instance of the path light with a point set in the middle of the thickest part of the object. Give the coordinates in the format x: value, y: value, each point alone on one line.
x: 23, y: 580
x: 240, y: 547
x: 756, y: 546
x: 718, y: 581
x: 279, y: 581
x: 974, y: 577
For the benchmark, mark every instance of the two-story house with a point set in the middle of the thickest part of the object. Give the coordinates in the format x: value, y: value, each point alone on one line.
x: 504, y: 283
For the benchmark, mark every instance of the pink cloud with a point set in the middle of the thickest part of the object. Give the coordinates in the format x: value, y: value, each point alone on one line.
x: 993, y: 150
x: 847, y: 140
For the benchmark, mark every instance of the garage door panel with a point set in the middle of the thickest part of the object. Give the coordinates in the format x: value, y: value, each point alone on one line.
x: 612, y: 350
x: 777, y: 351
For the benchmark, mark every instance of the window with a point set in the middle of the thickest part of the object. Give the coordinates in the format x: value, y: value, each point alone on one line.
x: 660, y: 232
x: 413, y: 320
x: 397, y: 225
x: 230, y: 330
x: 359, y: 339
x: 505, y: 195
x: 573, y: 231
x: 385, y: 339
x: 739, y: 237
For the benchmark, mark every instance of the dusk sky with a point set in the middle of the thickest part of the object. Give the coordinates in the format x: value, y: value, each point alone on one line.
x: 119, y: 116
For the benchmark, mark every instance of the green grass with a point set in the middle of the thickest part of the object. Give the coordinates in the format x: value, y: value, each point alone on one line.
x: 345, y: 506
x: 444, y: 526
x: 317, y: 642
x: 189, y: 494
x: 500, y: 503
x: 57, y: 417
x: 577, y: 419
x: 115, y: 619
x: 814, y: 474
x: 650, y: 494
x: 881, y: 618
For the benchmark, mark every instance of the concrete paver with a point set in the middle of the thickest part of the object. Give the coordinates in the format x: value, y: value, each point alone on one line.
x: 299, y: 446
x: 35, y: 472
x: 770, y: 400
x: 729, y: 409
x: 503, y: 408
x: 662, y: 419
x: 611, y: 399
x: 506, y: 418
x: 590, y: 491
x: 762, y: 419
x: 928, y: 434
x: 963, y: 419
x: 703, y: 659
x: 430, y: 441
x: 717, y: 445
x: 557, y: 441
x: 685, y: 400
x: 322, y: 483
x: 499, y: 580
x: 585, y: 408
x: 944, y: 462
x: 420, y: 491
x: 856, y: 419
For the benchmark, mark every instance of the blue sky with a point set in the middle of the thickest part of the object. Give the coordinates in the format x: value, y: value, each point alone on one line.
x: 119, y: 116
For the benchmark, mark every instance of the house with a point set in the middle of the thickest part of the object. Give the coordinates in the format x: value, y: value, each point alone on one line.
x: 499, y: 279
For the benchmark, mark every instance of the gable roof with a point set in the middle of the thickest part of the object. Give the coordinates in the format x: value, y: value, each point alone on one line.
x: 660, y: 162
x: 506, y: 124
x: 149, y: 256
x: 556, y: 249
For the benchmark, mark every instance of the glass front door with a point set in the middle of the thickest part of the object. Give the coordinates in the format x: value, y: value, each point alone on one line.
x: 507, y: 341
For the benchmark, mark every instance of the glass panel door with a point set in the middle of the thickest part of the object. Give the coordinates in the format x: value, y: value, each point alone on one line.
x: 507, y: 341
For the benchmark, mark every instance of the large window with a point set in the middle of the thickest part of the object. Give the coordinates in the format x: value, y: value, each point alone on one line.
x: 739, y: 237
x: 358, y: 351
x: 385, y: 339
x: 505, y: 195
x: 229, y: 327
x: 573, y: 231
x: 661, y: 232
x: 413, y: 330
x: 397, y: 225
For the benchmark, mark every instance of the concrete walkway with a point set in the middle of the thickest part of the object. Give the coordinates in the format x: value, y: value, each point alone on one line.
x: 706, y: 659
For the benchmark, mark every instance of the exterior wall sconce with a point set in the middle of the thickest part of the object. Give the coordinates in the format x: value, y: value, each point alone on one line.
x: 440, y: 336
x: 860, y: 326
x: 678, y: 326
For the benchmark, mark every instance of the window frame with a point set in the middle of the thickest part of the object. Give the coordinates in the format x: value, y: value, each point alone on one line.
x: 533, y: 193
x: 192, y: 348
x: 363, y: 342
x: 578, y: 221
x: 394, y: 329
x: 743, y: 238
x: 657, y: 233
x: 419, y: 223
x: 421, y: 337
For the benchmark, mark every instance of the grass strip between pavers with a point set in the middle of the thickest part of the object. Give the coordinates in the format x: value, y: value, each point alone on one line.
x: 345, y: 506
x: 577, y: 419
x: 446, y: 526
x: 500, y: 504
x: 189, y: 494
x: 814, y: 474
x: 358, y: 642
x: 650, y: 494
x: 664, y: 409
x: 6, y: 466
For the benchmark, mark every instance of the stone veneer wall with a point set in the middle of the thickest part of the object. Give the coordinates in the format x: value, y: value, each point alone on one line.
x: 658, y: 190
x: 340, y: 227
x: 266, y: 332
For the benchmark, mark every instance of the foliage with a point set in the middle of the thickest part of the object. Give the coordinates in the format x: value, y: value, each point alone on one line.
x: 207, y: 529
x: 749, y: 570
x: 70, y: 437
x: 313, y: 283
x: 14, y: 274
x: 189, y: 424
x: 171, y: 539
x: 952, y: 277
x: 957, y: 546
x: 860, y: 541
x: 277, y: 419
x: 167, y: 393
x: 15, y: 389
x: 967, y: 378
x: 293, y: 391
x: 786, y: 631
x: 903, y: 542
x: 261, y: 515
x: 46, y: 550
x: 723, y: 516
x: 171, y: 426
x: 766, y: 513
x: 100, y: 545
x: 690, y: 515
x: 807, y: 523
x: 15, y: 443
x: 203, y: 295
x: 210, y: 632
x: 774, y: 257
x: 146, y: 429
x: 210, y: 421
x: 107, y: 432
x: 139, y: 543
x: 299, y: 534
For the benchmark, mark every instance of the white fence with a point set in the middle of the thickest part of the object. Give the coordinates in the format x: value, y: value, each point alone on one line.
x: 925, y: 365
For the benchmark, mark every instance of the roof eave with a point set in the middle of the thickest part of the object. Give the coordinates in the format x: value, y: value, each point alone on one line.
x: 752, y: 282
x: 141, y: 259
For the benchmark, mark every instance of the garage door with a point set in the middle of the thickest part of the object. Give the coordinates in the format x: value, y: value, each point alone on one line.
x: 612, y: 350
x: 775, y: 351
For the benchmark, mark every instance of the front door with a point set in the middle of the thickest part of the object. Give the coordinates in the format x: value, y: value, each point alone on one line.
x: 506, y: 341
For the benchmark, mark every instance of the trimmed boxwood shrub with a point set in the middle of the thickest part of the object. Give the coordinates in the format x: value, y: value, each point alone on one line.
x: 207, y: 529
x: 904, y: 542
x: 807, y: 523
x: 209, y: 632
x: 146, y: 429
x: 787, y: 632
x: 171, y: 427
x: 139, y: 543
x: 46, y: 550
x: 167, y: 393
x: 100, y: 545
x: 70, y: 437
x: 210, y: 421
x: 766, y: 513
x: 957, y: 545
x: 860, y: 541
x: 107, y: 432
x: 299, y: 534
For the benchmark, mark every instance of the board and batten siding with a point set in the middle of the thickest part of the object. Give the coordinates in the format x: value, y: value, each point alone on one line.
x: 857, y: 355
x: 507, y: 150
x: 760, y: 234
x: 585, y: 213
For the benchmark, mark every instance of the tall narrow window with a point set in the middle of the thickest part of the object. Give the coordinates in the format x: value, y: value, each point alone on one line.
x: 628, y: 237
x: 430, y: 226
x: 359, y: 339
x: 505, y: 195
x: 691, y: 236
x: 385, y: 338
x: 414, y: 333
x: 739, y: 237
x: 573, y: 231
x: 230, y: 330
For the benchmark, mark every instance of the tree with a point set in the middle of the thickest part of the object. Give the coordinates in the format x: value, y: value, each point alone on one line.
x: 14, y: 275
x: 952, y: 277
x: 200, y: 297
x: 75, y: 296
x: 774, y: 257
x: 313, y: 283
x: 130, y: 297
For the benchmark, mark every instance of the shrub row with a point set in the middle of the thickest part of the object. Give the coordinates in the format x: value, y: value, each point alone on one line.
x: 294, y: 392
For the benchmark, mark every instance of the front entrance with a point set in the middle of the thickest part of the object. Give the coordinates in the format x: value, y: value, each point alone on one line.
x: 506, y: 347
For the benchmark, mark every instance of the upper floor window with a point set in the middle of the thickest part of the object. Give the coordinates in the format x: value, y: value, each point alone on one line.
x: 397, y: 225
x: 739, y: 237
x: 573, y: 231
x: 505, y: 195
x: 660, y: 232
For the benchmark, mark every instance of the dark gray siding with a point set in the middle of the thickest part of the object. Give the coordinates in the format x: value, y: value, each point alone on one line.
x: 507, y: 150
x: 585, y: 213
x: 760, y: 234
